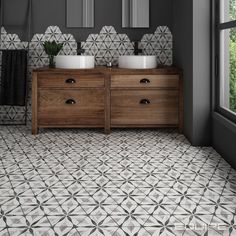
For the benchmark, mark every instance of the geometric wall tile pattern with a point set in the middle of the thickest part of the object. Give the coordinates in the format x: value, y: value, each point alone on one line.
x: 37, y: 58
x: 10, y: 41
x: 128, y: 183
x: 106, y: 46
x: 160, y: 44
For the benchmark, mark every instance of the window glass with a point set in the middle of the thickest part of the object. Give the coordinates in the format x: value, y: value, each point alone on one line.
x: 228, y: 69
x: 227, y: 10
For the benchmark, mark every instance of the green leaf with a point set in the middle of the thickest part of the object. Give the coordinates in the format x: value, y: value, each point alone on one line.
x: 52, y: 48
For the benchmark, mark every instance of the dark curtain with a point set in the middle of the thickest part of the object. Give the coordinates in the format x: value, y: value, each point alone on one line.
x: 13, y: 77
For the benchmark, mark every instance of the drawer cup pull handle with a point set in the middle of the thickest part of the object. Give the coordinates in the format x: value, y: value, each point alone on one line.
x: 70, y: 102
x: 70, y: 81
x: 145, y: 81
x: 145, y: 102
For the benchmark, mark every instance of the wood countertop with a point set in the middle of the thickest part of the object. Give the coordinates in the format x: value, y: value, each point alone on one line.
x: 113, y: 70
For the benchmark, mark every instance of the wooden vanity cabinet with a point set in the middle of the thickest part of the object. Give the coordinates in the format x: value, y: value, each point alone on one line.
x: 65, y: 99
x: 107, y: 98
x: 148, y: 100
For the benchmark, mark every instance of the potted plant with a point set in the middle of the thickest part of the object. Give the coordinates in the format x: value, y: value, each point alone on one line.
x: 52, y: 49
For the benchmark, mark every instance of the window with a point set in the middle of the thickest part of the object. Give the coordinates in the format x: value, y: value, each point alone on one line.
x: 226, y: 51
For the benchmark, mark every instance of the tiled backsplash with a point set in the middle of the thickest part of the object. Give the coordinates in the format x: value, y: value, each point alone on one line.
x: 160, y: 44
x: 106, y: 46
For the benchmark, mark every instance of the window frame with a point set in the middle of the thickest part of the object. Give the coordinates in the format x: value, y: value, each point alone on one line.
x: 218, y: 27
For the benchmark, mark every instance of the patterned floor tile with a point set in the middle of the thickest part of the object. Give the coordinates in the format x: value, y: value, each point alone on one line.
x: 4, y: 232
x: 162, y: 221
x: 16, y: 221
x: 131, y: 231
x: 132, y: 182
x: 169, y: 231
x: 100, y: 209
x: 96, y: 231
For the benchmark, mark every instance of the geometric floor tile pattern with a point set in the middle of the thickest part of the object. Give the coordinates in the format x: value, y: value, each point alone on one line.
x: 130, y: 183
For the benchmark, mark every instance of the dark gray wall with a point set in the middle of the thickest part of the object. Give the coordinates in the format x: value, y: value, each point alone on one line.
x: 191, y: 30
x: 201, y: 72
x: 107, y: 12
x: 183, y: 54
x: 224, y: 138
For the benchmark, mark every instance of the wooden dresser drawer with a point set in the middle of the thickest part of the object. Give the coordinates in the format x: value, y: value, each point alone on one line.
x: 70, y: 81
x: 72, y: 107
x: 145, y: 81
x: 144, y: 107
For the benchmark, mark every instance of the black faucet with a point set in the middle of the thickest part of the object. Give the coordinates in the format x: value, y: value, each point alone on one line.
x: 136, y: 49
x: 80, y: 50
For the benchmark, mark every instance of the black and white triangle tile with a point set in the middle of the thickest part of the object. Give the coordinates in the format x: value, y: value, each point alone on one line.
x: 160, y: 43
x: 10, y: 41
x: 37, y: 58
x: 107, y: 46
x: 80, y: 182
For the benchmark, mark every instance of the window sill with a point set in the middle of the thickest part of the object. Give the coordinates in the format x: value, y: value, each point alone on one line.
x: 224, y: 121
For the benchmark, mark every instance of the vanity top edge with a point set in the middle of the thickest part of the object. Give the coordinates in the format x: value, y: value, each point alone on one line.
x: 112, y: 70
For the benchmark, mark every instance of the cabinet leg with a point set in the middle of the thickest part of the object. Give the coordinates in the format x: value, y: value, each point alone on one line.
x: 34, y: 130
x: 181, y: 129
x: 107, y: 130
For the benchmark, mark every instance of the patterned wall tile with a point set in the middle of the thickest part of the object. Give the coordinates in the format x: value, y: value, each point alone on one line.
x: 37, y: 58
x: 106, y: 46
x: 11, y: 41
x: 160, y: 43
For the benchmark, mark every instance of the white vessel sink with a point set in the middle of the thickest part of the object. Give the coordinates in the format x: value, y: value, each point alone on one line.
x: 137, y: 62
x: 74, y: 62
